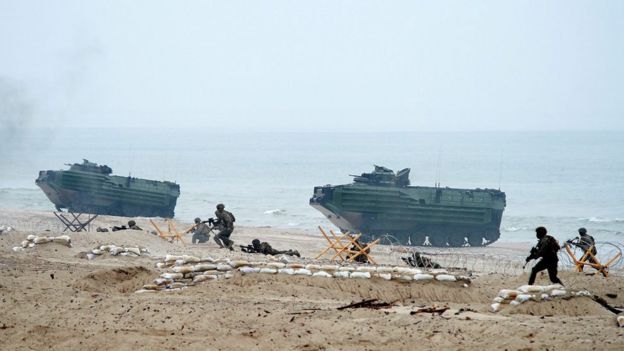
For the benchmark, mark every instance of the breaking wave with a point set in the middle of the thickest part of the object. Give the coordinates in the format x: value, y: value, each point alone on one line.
x: 601, y: 220
x: 275, y: 212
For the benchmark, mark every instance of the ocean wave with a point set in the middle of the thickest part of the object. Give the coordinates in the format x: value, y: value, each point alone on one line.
x: 601, y: 220
x: 514, y: 229
x: 275, y: 212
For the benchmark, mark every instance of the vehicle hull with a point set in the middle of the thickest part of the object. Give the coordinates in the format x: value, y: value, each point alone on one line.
x: 413, y: 215
x: 92, y: 192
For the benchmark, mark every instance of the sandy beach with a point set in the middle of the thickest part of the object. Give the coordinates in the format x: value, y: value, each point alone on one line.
x: 53, y: 297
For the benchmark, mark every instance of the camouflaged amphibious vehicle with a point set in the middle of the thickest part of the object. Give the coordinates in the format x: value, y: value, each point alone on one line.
x: 383, y: 203
x: 88, y: 187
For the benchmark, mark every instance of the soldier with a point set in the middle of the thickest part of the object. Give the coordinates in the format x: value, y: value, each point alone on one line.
x: 227, y: 226
x: 418, y: 260
x: 354, y: 250
x: 546, y: 248
x: 585, y: 242
x: 132, y: 225
x: 266, y: 249
x: 201, y: 232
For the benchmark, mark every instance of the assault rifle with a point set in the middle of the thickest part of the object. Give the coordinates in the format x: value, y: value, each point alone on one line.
x: 532, y: 256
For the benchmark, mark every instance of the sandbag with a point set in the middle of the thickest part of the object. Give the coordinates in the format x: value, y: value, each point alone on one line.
x: 508, y: 294
x: 302, y: 271
x: 63, y: 239
x: 322, y: 274
x: 405, y: 277
x: 523, y: 298
x: 360, y: 275
x: 346, y: 269
x: 370, y: 269
x: 238, y: 263
x: 423, y: 277
x: 620, y: 321
x: 268, y: 270
x: 172, y: 276
x: 249, y: 270
x: 531, y: 289
x: 31, y: 237
x: 133, y: 250
x: 385, y: 276
x: 445, y: 278
x: 312, y: 267
x: 288, y: 271
x: 201, y: 267
x: 329, y: 267
x: 295, y: 265
x: 342, y: 274
x: 558, y: 292
x: 41, y: 240
x: 275, y: 265
x: 384, y: 269
x: 182, y: 269
x: 495, y: 307
x: 25, y: 243
x: 224, y: 267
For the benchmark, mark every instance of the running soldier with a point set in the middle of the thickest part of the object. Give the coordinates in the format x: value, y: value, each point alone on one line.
x: 546, y: 248
x: 226, y: 220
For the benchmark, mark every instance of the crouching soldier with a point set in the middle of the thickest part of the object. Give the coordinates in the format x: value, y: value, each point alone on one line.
x: 201, y: 232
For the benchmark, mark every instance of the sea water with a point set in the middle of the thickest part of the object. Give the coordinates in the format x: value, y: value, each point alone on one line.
x: 561, y: 180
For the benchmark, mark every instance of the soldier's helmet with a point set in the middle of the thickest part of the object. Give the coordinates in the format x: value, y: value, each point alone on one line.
x: 540, y: 232
x: 131, y: 223
x: 220, y: 207
x: 256, y: 244
x: 197, y: 220
x: 582, y: 231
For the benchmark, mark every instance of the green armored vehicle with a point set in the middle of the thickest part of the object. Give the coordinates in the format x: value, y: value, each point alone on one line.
x: 89, y: 188
x: 382, y: 203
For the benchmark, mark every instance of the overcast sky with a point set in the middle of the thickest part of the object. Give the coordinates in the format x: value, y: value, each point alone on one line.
x: 314, y: 65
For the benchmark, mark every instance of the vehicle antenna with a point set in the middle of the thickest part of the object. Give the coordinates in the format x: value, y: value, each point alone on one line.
x: 437, y: 182
x: 500, y: 170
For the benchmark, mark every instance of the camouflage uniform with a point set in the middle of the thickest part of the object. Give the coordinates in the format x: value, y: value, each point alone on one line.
x: 266, y: 249
x: 585, y: 242
x: 227, y: 227
x: 201, y: 234
x: 546, y: 248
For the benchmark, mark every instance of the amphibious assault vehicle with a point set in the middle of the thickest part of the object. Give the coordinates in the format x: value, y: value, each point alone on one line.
x: 88, y: 187
x: 383, y: 203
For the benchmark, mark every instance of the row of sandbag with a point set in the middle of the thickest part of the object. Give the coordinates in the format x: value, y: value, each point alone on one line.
x: 191, y: 270
x: 515, y: 297
x: 182, y: 271
x: 33, y: 240
x: 115, y: 250
x: 4, y: 229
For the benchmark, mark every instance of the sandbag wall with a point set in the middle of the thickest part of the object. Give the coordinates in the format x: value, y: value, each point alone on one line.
x: 515, y: 297
x: 181, y: 271
x: 115, y: 250
x: 33, y: 240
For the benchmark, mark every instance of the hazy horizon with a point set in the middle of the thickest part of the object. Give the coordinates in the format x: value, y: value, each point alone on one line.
x: 360, y: 66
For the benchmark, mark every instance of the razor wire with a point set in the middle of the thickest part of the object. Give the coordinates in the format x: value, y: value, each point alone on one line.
x: 453, y: 259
